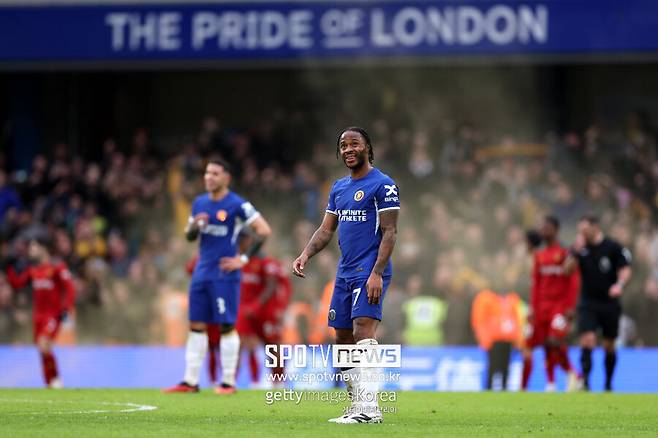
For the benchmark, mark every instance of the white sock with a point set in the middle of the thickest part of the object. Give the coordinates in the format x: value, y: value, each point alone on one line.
x: 229, y: 352
x: 195, y: 352
x: 350, y: 377
x: 368, y: 384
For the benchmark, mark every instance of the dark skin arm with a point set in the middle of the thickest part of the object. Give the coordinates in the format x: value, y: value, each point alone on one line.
x: 388, y: 223
x: 571, y: 263
x: 319, y: 240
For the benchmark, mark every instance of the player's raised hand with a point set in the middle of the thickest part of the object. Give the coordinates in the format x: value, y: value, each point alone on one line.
x: 230, y: 264
x: 374, y: 288
x: 299, y: 264
x: 579, y: 243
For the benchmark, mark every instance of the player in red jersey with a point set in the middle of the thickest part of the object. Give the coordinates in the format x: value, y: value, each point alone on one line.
x: 274, y: 305
x: 53, y: 297
x: 552, y: 305
x: 264, y: 296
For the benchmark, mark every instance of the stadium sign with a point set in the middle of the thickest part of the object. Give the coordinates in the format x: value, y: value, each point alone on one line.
x: 351, y: 28
x: 233, y: 32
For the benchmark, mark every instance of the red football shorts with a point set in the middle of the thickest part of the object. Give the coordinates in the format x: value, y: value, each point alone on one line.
x: 555, y: 327
x: 45, y: 325
x: 265, y: 324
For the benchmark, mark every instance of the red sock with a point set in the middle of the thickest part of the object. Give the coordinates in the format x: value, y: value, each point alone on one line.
x: 563, y: 358
x: 49, y: 367
x: 550, y: 363
x: 212, y: 364
x: 253, y: 366
x: 527, y: 370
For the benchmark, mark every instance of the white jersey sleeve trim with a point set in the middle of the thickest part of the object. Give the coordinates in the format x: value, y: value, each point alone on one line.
x: 387, y: 208
x: 331, y: 212
x: 252, y: 218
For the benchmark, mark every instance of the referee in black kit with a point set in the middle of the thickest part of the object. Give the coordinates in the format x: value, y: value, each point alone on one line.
x: 604, y: 271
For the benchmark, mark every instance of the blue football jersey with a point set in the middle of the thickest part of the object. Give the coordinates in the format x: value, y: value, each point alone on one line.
x: 219, y: 238
x: 357, y: 203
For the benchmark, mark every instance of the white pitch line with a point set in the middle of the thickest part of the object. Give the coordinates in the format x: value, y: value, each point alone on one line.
x: 131, y: 407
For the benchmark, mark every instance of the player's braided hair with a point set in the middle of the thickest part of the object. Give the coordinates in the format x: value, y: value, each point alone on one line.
x: 366, y: 137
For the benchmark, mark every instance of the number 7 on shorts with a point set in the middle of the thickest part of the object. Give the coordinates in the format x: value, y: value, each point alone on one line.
x: 356, y: 291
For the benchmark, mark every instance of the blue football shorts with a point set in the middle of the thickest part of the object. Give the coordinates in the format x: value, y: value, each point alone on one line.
x: 213, y: 301
x: 350, y: 300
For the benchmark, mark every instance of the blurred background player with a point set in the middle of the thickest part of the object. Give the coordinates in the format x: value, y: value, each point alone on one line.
x: 53, y: 299
x: 364, y: 208
x: 218, y: 216
x: 424, y: 315
x: 497, y: 321
x: 264, y: 296
x: 604, y: 270
x: 212, y: 329
x: 552, y: 306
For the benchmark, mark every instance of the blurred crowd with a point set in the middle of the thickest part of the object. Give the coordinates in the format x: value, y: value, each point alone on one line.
x: 468, y: 197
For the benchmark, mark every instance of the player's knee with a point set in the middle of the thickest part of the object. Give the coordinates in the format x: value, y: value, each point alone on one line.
x: 344, y: 336
x: 364, y: 328
x: 43, y: 344
x: 196, y: 326
x: 226, y: 328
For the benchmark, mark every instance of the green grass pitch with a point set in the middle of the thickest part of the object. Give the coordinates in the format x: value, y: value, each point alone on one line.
x: 95, y: 413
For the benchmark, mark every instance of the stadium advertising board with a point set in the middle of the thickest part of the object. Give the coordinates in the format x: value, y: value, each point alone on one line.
x: 422, y: 368
x: 323, y: 30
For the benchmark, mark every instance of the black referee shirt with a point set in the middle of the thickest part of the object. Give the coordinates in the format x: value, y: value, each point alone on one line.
x: 598, y: 269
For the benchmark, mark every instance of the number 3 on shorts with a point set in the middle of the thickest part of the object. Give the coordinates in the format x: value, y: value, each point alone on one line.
x: 356, y: 297
x: 221, y: 306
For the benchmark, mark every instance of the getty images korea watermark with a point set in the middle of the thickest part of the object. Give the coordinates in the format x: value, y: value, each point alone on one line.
x: 309, y: 366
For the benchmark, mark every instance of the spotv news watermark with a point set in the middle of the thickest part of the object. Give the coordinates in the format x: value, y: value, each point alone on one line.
x: 335, y: 356
x: 303, y: 366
